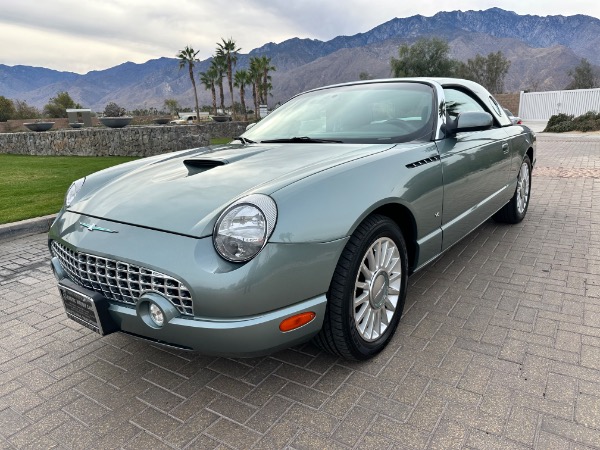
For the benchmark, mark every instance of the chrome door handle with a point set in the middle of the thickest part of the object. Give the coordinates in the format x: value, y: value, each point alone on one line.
x: 505, y: 148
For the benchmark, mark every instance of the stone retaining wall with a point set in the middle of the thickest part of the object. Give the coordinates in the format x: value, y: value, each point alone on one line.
x: 16, y: 125
x: 128, y: 141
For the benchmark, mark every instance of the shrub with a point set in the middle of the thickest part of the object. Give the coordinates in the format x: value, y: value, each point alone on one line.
x: 588, y: 125
x: 7, y: 109
x: 114, y: 110
x: 556, y: 119
x: 561, y: 127
x: 560, y: 123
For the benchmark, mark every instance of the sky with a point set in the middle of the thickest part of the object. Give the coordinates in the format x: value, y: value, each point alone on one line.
x: 84, y: 35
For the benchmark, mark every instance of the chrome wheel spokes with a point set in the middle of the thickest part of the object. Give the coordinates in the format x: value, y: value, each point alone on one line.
x: 377, y: 288
x: 523, y: 188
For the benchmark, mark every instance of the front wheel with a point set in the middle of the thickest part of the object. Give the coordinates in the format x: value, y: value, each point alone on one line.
x: 514, y: 211
x: 367, y: 292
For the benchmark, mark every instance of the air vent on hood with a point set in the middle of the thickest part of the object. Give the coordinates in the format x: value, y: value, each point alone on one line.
x: 422, y: 162
x: 195, y: 166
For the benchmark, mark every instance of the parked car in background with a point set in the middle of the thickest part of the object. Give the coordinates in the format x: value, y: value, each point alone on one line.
x: 187, y: 118
x: 307, y: 226
x: 183, y: 121
x: 516, y: 120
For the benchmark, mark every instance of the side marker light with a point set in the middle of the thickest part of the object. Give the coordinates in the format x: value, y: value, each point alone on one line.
x: 291, y: 323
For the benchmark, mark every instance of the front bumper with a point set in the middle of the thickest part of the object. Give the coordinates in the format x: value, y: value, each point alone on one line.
x: 237, y: 308
x: 244, y: 337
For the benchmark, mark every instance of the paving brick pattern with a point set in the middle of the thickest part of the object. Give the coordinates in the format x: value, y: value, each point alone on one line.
x: 499, y: 348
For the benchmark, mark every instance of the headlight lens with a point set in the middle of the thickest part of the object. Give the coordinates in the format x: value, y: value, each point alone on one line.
x: 243, y: 229
x: 73, y: 190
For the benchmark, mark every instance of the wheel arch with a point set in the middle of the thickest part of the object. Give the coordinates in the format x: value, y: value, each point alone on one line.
x: 529, y: 153
x: 404, y: 218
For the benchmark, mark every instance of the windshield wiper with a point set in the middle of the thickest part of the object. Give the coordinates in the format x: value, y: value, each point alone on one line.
x: 244, y: 140
x: 299, y: 139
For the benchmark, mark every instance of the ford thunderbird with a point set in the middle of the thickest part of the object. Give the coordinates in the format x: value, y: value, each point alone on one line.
x: 307, y: 226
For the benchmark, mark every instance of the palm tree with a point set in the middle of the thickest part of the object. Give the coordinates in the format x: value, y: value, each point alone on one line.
x: 219, y: 64
x: 228, y: 51
x: 187, y: 57
x: 209, y: 80
x: 265, y: 65
x: 261, y: 66
x: 242, y: 78
x: 255, y: 73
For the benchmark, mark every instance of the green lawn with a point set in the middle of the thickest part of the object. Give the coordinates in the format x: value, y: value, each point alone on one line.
x: 219, y: 141
x: 33, y: 186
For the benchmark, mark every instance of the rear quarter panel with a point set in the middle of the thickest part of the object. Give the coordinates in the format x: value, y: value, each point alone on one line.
x: 521, y: 139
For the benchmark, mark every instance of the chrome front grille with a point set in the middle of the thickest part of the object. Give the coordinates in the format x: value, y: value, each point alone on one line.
x: 121, y: 281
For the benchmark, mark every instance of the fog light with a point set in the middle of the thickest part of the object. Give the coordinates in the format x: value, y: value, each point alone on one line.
x: 155, y: 311
x: 157, y: 315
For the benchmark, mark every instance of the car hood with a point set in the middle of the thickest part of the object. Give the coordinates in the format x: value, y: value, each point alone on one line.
x: 184, y: 192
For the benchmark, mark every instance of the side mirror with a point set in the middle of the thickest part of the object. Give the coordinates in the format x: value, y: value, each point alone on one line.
x: 469, y: 121
x: 250, y: 125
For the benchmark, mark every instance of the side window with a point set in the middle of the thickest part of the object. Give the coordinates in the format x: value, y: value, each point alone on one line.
x: 458, y: 102
x: 496, y: 106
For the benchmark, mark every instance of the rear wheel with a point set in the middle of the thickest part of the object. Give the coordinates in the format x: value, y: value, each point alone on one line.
x: 367, y: 292
x: 514, y: 211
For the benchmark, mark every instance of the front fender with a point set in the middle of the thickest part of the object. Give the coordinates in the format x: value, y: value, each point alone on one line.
x: 329, y: 205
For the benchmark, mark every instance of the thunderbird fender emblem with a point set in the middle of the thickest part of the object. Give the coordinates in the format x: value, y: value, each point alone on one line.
x: 93, y: 227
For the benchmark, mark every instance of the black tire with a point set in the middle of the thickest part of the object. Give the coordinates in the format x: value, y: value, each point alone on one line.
x: 340, y: 334
x: 516, y: 209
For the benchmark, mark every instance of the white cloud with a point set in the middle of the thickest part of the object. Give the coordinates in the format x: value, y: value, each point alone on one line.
x: 79, y: 36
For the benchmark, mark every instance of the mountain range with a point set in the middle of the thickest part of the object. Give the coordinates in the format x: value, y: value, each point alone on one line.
x: 542, y: 50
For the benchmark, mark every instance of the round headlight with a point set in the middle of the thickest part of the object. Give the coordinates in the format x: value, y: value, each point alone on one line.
x: 73, y: 190
x: 243, y: 229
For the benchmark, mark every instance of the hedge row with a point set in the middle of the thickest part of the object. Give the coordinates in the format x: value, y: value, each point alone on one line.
x: 560, y: 123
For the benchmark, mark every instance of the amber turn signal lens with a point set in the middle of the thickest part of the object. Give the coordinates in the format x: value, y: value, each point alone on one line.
x: 291, y: 323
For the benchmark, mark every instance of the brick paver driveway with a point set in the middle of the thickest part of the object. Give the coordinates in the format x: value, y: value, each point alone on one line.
x: 499, y: 348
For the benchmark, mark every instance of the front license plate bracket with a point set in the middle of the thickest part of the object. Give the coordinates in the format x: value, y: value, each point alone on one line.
x: 87, y: 308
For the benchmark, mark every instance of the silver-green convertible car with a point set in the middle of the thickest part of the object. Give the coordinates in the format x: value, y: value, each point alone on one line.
x: 305, y: 227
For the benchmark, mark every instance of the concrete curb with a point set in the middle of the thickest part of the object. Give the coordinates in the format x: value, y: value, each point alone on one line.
x: 10, y: 231
x: 579, y: 136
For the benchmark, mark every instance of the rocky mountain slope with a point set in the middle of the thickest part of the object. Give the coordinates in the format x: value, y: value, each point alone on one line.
x: 542, y: 51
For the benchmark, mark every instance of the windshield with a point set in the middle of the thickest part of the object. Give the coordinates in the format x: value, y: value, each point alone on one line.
x: 364, y: 113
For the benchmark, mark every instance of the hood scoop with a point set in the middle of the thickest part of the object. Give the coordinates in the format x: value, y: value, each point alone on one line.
x: 199, y: 165
x: 196, y: 166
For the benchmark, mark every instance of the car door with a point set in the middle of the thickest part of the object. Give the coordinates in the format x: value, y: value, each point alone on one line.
x: 475, y: 167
